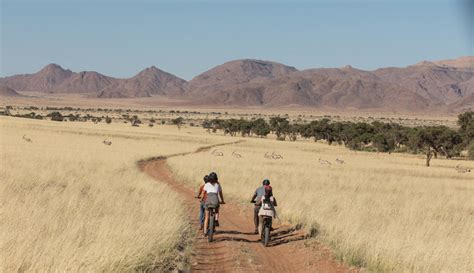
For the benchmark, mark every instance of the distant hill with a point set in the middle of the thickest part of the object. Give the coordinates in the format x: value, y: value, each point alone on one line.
x: 44, y: 80
x: 429, y: 85
x: 6, y: 91
x: 413, y: 88
x: 150, y: 81
x: 54, y: 79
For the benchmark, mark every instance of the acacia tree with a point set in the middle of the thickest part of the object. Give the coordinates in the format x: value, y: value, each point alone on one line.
x: 179, y: 121
x: 435, y: 140
x: 260, y: 127
x: 280, y: 126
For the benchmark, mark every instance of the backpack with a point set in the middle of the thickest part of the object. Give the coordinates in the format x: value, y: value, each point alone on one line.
x: 212, y: 200
x: 267, y: 204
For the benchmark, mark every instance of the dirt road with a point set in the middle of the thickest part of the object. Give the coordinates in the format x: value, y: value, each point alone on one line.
x: 236, y: 248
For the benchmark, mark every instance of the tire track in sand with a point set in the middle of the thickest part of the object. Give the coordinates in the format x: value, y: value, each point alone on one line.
x: 235, y: 247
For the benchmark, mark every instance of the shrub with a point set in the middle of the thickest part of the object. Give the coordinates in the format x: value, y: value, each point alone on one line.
x: 72, y: 117
x: 179, y: 121
x: 56, y: 116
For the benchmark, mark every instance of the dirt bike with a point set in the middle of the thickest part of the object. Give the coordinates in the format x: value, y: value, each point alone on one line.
x: 266, y: 227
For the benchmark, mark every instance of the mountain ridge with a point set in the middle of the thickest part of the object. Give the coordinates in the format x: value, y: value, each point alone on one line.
x: 446, y: 84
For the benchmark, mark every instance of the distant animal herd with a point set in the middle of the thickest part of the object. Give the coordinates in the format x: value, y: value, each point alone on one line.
x: 271, y: 156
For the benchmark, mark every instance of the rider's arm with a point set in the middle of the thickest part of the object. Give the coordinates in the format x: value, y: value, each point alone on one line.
x: 253, y: 197
x: 274, y: 202
x: 201, y: 189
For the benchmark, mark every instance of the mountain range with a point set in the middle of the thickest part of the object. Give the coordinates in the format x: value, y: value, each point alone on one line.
x: 445, y: 85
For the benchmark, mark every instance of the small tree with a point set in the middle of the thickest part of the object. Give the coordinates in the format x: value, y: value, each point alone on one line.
x: 179, y: 121
x: 435, y: 140
x: 135, y: 121
x: 108, y: 120
x: 280, y: 126
x: 56, y: 116
x: 260, y: 127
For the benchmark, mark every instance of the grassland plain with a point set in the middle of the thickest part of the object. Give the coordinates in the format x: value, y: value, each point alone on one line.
x: 71, y: 203
x: 389, y: 213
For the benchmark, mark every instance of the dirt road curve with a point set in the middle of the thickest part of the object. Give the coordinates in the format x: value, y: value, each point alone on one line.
x: 236, y: 248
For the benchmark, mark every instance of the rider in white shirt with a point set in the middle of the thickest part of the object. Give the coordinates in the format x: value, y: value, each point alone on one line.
x: 213, y: 191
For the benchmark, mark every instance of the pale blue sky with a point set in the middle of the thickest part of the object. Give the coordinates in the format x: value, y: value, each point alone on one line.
x: 119, y: 38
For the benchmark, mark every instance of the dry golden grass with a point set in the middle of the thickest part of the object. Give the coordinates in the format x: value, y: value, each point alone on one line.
x: 387, y: 212
x: 71, y: 203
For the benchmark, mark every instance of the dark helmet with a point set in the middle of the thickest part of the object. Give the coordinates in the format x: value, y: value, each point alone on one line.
x: 266, y: 182
x: 206, y: 178
x: 213, y: 177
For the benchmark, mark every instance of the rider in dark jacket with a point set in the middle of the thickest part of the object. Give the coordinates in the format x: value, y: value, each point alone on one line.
x: 256, y: 198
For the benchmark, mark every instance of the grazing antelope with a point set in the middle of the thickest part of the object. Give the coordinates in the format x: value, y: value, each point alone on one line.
x: 217, y: 153
x: 236, y: 155
x: 340, y: 161
x: 27, y: 139
x: 462, y: 169
x: 276, y: 156
x: 107, y: 142
x: 268, y: 156
x: 324, y: 162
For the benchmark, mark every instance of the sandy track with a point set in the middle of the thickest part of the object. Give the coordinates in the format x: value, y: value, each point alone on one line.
x: 236, y: 248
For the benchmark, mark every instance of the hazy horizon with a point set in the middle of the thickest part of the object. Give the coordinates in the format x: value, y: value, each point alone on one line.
x: 187, y: 38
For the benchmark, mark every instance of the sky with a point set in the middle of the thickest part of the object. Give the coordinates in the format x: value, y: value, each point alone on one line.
x: 121, y: 37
